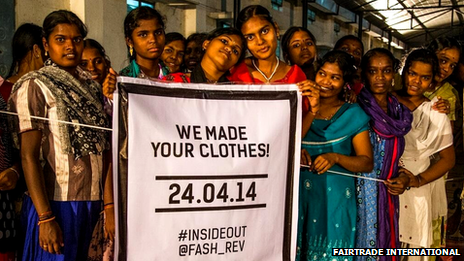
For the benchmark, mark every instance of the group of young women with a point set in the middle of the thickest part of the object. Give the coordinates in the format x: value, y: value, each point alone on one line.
x: 385, y: 135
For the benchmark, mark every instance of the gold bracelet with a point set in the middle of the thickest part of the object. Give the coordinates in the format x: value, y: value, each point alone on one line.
x: 418, y: 177
x: 45, y: 221
x: 15, y: 171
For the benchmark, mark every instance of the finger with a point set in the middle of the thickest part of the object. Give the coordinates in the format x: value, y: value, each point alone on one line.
x: 113, y: 72
x: 317, y: 164
x: 308, y: 159
x: 324, y: 169
x: 327, y: 166
x: 395, y: 186
x: 404, y: 171
x: 107, y: 234
x: 56, y: 248
x: 303, y: 159
x: 48, y: 248
x: 321, y: 167
x: 307, y: 88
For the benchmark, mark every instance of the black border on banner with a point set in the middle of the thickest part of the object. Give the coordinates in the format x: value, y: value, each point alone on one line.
x: 124, y: 88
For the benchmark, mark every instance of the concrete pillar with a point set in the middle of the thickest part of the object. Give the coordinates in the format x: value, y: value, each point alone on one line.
x: 105, y: 21
x: 34, y: 11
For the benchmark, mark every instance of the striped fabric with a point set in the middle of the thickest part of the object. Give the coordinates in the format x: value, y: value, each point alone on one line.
x: 66, y: 179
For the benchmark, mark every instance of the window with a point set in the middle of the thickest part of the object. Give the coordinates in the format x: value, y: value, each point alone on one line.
x: 277, y: 4
x: 336, y: 27
x: 311, y: 16
x: 223, y: 24
x: 132, y: 4
x: 278, y: 49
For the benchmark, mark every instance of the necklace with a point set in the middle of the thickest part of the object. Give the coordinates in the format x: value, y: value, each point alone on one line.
x: 331, y: 115
x: 265, y: 77
x: 435, y: 89
x: 143, y: 75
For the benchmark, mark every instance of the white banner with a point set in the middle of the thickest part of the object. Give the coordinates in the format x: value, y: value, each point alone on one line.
x: 212, y: 171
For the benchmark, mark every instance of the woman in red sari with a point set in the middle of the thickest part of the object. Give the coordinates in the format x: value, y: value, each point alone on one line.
x: 261, y: 34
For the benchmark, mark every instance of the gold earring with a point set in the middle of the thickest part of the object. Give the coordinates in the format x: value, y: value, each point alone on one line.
x: 131, y: 50
x: 46, y: 53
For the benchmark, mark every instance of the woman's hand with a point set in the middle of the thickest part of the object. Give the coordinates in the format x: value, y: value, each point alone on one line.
x: 109, y: 85
x: 8, y: 179
x: 51, y: 237
x: 311, y: 90
x: 350, y: 96
x: 442, y: 105
x: 398, y: 185
x: 324, y: 162
x: 305, y: 158
x: 109, y: 224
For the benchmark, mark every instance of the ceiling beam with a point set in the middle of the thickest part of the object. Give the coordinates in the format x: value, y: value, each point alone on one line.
x: 362, y: 5
x: 413, y: 8
x: 421, y: 1
x: 430, y: 28
x: 460, y: 17
x: 413, y: 17
x: 407, y: 19
x: 443, y: 13
x: 422, y: 34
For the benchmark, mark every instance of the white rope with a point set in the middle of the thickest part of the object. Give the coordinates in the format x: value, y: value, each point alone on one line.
x: 348, y: 175
x: 59, y: 121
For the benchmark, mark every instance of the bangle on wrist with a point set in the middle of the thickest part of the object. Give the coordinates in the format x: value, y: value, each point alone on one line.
x: 15, y: 171
x: 108, y: 206
x: 46, y: 215
x: 109, y: 203
x: 419, y: 180
x: 46, y: 220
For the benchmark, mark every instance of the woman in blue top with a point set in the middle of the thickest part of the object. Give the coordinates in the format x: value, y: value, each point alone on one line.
x: 338, y: 140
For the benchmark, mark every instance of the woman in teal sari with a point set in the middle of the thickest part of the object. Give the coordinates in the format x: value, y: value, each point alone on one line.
x: 338, y: 140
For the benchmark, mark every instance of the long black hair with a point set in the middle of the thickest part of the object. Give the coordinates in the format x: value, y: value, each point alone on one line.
x: 229, y: 31
x: 419, y: 55
x: 24, y: 39
x: 253, y: 10
x: 366, y: 59
x: 132, y: 21
x: 344, y: 61
x: 62, y: 17
x: 174, y: 36
x: 285, y: 41
x: 441, y: 43
x: 91, y: 43
x: 340, y: 42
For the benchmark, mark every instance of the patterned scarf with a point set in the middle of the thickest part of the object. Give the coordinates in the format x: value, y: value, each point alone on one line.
x: 392, y: 127
x: 77, y: 100
x: 5, y: 145
x: 133, y: 70
x: 199, y: 76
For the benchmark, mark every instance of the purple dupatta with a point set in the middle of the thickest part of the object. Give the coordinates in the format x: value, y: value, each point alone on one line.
x: 391, y: 127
